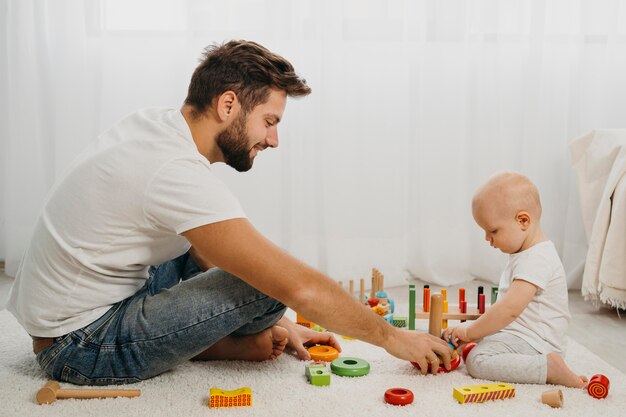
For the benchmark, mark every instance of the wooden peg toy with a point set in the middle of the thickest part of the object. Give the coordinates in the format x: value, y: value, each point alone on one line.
x: 52, y: 391
x: 553, y: 398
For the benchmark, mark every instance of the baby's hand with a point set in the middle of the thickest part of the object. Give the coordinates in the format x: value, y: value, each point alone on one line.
x: 456, y: 335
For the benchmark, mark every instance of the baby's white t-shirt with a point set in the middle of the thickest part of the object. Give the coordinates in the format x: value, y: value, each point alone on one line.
x: 544, y: 321
x: 121, y: 208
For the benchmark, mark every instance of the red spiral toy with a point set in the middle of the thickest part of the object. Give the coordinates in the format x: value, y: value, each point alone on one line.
x: 598, y: 386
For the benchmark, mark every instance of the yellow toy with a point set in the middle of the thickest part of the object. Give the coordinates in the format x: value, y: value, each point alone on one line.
x: 483, y: 392
x: 219, y: 398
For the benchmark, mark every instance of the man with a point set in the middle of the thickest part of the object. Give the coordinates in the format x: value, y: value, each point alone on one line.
x: 144, y: 194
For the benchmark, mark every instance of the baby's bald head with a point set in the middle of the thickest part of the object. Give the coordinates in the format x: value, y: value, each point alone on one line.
x: 506, y: 194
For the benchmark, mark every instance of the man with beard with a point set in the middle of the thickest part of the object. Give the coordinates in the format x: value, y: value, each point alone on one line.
x: 143, y: 259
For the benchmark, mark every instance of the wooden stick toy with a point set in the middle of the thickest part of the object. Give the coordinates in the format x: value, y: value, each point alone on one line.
x: 52, y: 391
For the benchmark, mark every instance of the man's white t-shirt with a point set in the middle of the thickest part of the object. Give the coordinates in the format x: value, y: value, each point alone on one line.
x: 544, y: 321
x: 120, y: 209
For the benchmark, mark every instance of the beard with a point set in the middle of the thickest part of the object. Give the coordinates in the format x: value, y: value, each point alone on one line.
x: 234, y: 142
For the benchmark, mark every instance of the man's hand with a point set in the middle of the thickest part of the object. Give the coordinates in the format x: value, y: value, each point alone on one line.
x: 418, y: 347
x: 456, y: 335
x: 301, y: 337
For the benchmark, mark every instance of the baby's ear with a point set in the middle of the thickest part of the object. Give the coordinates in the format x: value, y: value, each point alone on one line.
x: 523, y: 219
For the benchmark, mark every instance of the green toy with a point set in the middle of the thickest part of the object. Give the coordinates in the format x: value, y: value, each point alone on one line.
x: 350, y: 367
x: 317, y: 374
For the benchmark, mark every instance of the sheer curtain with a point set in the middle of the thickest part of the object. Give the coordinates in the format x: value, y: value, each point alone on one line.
x: 414, y: 104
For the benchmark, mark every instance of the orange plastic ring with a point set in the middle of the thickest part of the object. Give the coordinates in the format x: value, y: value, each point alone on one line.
x: 398, y: 396
x: 323, y: 353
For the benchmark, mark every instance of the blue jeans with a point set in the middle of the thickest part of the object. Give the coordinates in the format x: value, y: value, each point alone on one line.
x: 178, y: 314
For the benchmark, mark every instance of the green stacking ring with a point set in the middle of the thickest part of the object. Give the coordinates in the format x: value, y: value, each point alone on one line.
x: 350, y: 367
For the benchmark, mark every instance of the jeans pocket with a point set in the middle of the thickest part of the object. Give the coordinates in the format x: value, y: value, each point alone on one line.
x: 46, y: 357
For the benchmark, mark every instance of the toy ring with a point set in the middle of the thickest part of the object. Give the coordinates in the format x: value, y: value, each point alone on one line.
x: 349, y: 367
x: 398, y: 396
x: 323, y: 353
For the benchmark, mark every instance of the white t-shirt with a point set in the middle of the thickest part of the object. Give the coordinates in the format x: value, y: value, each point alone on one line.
x: 544, y: 321
x: 120, y: 209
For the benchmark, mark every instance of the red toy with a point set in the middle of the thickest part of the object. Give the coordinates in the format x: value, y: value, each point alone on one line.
x: 454, y: 363
x: 398, y: 396
x: 466, y: 350
x: 598, y: 386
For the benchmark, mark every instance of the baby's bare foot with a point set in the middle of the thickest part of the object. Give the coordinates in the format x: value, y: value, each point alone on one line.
x: 268, y: 344
x: 560, y: 374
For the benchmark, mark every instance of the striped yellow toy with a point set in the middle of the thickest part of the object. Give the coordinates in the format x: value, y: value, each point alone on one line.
x: 483, y: 392
x: 219, y: 398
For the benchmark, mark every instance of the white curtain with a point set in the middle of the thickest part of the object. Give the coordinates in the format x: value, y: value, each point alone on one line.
x: 414, y: 104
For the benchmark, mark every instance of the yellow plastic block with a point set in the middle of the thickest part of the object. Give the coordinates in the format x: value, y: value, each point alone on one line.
x: 483, y: 392
x: 219, y: 398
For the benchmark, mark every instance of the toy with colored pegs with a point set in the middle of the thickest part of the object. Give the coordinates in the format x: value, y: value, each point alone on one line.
x: 398, y: 396
x: 434, y: 328
x: 461, y: 312
x: 598, y: 386
x: 219, y: 398
x: 483, y: 392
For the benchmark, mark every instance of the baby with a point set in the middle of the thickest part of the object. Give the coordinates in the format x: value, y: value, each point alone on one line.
x: 523, y: 333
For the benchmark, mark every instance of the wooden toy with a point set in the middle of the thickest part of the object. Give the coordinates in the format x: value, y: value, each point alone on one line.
x: 219, y: 398
x: 323, y: 353
x: 483, y: 392
x: 304, y: 322
x: 398, y: 396
x: 434, y: 328
x: 481, y: 303
x: 411, y: 307
x: 350, y: 367
x: 598, y: 386
x: 553, y: 398
x: 467, y: 349
x: 317, y: 375
x: 52, y: 391
x: 494, y: 295
x: 426, y: 302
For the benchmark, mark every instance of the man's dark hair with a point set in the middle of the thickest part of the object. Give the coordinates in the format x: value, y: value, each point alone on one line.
x: 246, y: 68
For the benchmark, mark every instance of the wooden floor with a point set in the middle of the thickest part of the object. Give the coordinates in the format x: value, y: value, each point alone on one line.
x: 599, y: 329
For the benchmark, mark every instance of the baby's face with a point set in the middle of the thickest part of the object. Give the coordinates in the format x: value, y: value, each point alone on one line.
x: 502, y: 231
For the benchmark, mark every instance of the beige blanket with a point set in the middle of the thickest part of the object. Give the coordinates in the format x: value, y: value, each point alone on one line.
x: 599, y: 160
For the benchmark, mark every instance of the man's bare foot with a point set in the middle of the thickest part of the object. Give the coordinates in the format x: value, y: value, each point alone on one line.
x: 560, y: 374
x: 268, y: 344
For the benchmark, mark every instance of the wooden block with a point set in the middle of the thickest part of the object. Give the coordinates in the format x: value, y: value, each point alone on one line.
x: 219, y: 398
x: 317, y: 375
x: 483, y: 392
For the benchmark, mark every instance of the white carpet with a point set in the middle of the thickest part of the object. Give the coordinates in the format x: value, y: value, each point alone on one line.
x: 280, y: 388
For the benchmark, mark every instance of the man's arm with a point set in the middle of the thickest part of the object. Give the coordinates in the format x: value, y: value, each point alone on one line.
x: 235, y: 246
x: 498, y: 316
